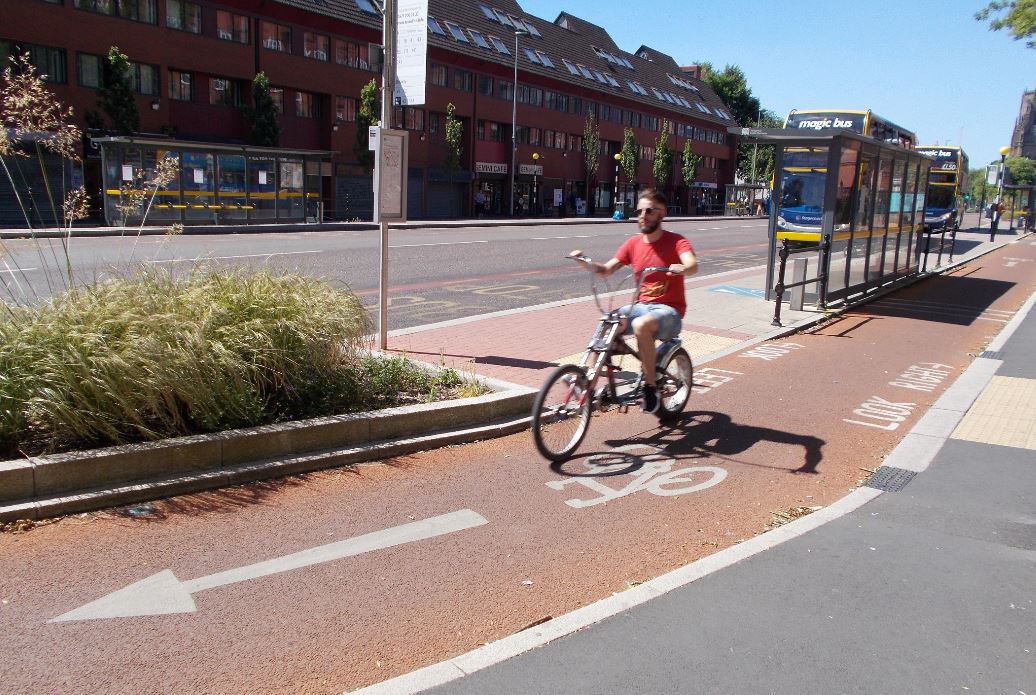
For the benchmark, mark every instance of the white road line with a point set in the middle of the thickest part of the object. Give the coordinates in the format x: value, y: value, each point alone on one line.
x: 445, y: 243
x: 225, y: 258
x: 19, y: 270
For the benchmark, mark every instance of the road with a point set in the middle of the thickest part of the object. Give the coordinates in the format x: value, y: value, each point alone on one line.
x: 328, y: 582
x: 435, y: 274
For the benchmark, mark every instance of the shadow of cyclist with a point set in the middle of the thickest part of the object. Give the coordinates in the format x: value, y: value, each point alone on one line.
x: 705, y: 433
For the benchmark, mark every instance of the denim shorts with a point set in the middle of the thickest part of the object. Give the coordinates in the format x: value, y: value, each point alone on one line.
x: 668, y: 318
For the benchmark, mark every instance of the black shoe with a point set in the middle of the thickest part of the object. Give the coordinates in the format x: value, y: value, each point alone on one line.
x: 650, y: 404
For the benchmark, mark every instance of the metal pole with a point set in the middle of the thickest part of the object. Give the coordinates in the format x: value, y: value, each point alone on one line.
x: 615, y: 192
x: 388, y: 86
x: 755, y: 147
x: 514, y: 116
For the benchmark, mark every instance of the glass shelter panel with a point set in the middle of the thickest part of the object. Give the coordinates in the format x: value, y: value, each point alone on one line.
x: 232, y: 188
x: 863, y: 223
x: 291, y: 203
x: 803, y: 179
x: 262, y: 184
x: 196, y: 178
x: 167, y: 201
x: 908, y: 242
x: 895, y: 218
x: 881, y: 218
x: 841, y: 243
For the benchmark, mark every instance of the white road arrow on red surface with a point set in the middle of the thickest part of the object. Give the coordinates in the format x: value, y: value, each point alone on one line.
x: 163, y: 593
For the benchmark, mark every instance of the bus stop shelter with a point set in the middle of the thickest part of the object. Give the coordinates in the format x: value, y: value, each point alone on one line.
x: 851, y: 205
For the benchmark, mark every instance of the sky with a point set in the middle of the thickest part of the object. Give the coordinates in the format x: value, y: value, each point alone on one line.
x: 926, y: 65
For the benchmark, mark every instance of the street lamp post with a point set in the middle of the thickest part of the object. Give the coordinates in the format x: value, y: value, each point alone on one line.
x: 535, y: 203
x: 514, y: 113
x: 615, y: 192
x: 995, y: 221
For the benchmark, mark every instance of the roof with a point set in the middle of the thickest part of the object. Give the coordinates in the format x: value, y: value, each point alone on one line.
x: 612, y: 72
x: 608, y: 69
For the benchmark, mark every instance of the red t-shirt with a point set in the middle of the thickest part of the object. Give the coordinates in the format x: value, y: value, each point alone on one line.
x: 657, y: 288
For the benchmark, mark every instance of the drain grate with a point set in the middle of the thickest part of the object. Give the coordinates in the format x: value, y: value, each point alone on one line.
x: 993, y: 354
x: 890, y: 479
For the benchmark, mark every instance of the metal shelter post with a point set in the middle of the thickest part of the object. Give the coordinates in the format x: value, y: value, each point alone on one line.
x: 388, y: 85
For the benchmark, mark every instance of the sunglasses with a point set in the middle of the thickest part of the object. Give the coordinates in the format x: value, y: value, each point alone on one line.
x: 646, y: 211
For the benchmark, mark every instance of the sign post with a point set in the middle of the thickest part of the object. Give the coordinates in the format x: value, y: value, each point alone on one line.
x: 406, y: 24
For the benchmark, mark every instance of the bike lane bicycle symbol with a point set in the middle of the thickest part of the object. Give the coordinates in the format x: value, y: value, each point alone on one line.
x: 655, y: 474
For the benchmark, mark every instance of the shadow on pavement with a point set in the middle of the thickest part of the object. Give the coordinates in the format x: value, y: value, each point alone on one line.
x: 954, y: 299
x: 697, y: 434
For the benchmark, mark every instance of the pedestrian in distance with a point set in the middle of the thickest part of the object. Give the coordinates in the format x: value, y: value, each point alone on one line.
x: 480, y: 203
x: 994, y: 218
x: 660, y: 307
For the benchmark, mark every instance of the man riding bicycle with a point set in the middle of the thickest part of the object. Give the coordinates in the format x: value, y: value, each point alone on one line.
x: 658, y: 313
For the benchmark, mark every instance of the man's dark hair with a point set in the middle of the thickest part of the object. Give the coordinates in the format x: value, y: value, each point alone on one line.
x: 654, y: 196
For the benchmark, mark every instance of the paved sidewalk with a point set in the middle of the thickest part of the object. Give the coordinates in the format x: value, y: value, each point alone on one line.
x: 928, y: 590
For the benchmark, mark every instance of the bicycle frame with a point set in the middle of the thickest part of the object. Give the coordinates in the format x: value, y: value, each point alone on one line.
x: 607, y: 342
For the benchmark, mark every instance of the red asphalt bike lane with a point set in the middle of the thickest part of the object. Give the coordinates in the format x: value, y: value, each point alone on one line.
x: 773, y: 428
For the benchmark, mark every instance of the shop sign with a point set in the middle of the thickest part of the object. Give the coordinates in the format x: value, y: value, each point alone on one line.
x: 531, y: 169
x: 490, y: 168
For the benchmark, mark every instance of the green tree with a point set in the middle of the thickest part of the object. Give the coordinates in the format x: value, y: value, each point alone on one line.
x: 591, y: 148
x: 1022, y: 171
x: 630, y: 156
x: 1017, y: 16
x: 266, y: 130
x: 689, y: 166
x: 732, y: 87
x: 116, y: 97
x: 662, y: 167
x: 366, y: 116
x: 454, y: 138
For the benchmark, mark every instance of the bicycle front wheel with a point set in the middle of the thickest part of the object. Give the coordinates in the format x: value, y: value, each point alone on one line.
x: 675, y: 379
x: 561, y: 412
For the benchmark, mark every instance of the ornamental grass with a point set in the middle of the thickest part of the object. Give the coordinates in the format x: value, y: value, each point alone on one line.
x: 159, y: 356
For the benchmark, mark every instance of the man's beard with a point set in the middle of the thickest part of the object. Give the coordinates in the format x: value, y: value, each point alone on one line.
x: 649, y: 226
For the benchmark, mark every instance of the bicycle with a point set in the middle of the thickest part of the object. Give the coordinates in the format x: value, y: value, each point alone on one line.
x: 562, y: 409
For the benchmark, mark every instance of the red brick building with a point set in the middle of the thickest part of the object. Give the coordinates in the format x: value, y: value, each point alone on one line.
x: 193, y: 63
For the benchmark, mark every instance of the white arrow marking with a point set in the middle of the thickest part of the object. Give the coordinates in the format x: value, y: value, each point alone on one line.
x: 163, y: 593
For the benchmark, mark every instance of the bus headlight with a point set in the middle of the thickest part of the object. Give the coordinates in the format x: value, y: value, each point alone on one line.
x: 781, y: 222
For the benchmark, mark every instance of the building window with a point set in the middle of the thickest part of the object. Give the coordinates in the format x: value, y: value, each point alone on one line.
x: 276, y: 37
x: 50, y: 63
x: 137, y: 10
x: 462, y: 80
x: 183, y: 16
x: 316, y: 45
x: 438, y: 75
x: 351, y: 54
x: 434, y: 26
x: 500, y: 46
x: 224, y: 92
x: 307, y: 105
x: 143, y: 79
x: 457, y: 32
x: 232, y: 27
x: 434, y: 123
x: 506, y: 90
x: 181, y: 86
x: 277, y: 96
x: 485, y: 85
x: 88, y: 71
x: 345, y: 109
x: 480, y: 40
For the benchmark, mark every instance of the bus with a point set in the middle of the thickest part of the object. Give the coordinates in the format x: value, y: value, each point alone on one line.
x: 947, y: 182
x: 863, y: 122
x: 804, y: 170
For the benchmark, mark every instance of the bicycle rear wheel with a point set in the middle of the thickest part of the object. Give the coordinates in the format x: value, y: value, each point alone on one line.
x: 675, y: 379
x: 561, y: 412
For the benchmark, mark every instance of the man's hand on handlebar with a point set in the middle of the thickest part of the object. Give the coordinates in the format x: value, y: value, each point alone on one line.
x: 586, y: 262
